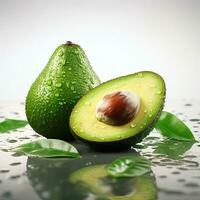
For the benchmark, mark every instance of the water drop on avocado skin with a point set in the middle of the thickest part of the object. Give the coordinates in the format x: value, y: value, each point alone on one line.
x: 49, y: 82
x: 58, y: 85
x: 53, y: 85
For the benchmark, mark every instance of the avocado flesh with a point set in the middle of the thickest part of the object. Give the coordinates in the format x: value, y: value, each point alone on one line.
x: 151, y: 89
x: 94, y: 181
x: 65, y: 79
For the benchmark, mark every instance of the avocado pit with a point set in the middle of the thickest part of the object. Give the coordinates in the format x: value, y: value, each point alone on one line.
x: 118, y: 108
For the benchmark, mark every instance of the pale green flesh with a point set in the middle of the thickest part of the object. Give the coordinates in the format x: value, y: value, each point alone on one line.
x: 148, y: 85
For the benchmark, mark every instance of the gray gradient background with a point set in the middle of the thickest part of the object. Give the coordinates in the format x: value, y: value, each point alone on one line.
x: 119, y: 37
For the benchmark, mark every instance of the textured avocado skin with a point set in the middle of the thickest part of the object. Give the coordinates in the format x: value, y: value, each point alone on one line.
x: 67, y: 76
x: 128, y: 142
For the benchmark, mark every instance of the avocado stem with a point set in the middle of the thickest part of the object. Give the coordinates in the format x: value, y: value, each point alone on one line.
x: 69, y: 43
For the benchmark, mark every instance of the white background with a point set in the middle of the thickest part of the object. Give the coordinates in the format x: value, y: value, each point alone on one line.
x: 119, y: 37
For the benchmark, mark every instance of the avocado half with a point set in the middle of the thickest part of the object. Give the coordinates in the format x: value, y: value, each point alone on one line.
x: 94, y: 182
x: 149, y: 86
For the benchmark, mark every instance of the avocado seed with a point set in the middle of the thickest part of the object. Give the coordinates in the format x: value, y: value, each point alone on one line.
x: 118, y: 108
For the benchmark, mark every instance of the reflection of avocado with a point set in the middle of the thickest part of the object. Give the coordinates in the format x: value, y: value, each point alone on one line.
x: 51, y: 178
x: 93, y: 181
x: 138, y: 100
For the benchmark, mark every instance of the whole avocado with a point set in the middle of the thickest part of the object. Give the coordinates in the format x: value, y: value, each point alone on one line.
x: 67, y: 76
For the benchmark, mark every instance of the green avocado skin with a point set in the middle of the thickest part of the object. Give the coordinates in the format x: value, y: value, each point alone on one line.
x: 67, y: 76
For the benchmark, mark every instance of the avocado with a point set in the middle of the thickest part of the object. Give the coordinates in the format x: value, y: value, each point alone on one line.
x: 93, y: 181
x: 137, y: 98
x: 64, y: 80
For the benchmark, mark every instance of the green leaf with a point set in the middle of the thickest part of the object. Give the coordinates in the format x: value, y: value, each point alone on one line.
x: 129, y: 166
x: 48, y: 148
x: 174, y: 149
x: 170, y: 126
x: 11, y: 124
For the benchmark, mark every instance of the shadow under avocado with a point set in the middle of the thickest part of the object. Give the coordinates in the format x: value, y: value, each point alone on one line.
x: 86, y: 178
x: 173, y: 149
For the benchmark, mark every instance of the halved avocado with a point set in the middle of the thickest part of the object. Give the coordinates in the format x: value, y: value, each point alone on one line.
x: 149, y: 86
x: 95, y: 183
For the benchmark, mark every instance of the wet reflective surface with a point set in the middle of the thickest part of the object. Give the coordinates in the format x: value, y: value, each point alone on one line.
x: 175, y: 166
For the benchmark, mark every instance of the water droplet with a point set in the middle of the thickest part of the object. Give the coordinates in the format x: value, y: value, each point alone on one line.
x: 150, y: 115
x: 15, y: 163
x: 194, y: 120
x: 81, y: 131
x: 115, y: 86
x: 76, y: 52
x: 63, y: 62
x: 88, y: 163
x: 58, y: 85
x: 133, y: 125
x: 49, y: 82
x: 158, y: 92
x: 92, y: 81
x: 14, y: 176
x: 46, y: 195
x: 60, y: 53
x: 60, y: 64
x: 181, y: 180
x: 188, y: 104
x: 88, y: 103
x: 12, y: 141
x: 4, y: 171
x: 67, y: 85
x: 152, y: 85
x: 140, y: 75
x: 192, y: 184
